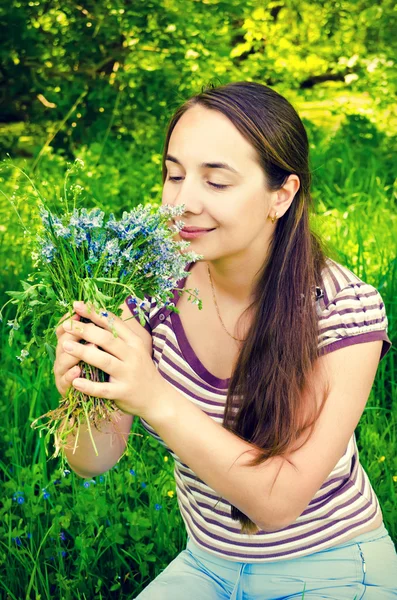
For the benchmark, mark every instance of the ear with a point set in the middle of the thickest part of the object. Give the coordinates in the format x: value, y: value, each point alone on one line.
x: 286, y: 194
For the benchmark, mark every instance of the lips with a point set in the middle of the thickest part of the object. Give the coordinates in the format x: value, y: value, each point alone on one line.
x: 194, y: 229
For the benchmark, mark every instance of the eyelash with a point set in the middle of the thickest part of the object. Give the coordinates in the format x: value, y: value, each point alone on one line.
x: 215, y: 185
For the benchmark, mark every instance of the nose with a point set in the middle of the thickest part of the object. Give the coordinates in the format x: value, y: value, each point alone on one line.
x: 186, y: 193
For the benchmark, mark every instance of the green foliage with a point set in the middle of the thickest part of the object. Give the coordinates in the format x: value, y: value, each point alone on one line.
x: 122, y: 67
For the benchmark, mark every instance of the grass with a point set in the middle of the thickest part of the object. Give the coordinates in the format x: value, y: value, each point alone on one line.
x: 108, y: 537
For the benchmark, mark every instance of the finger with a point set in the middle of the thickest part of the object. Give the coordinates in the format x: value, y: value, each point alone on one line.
x: 66, y: 380
x: 106, y: 320
x: 72, y: 374
x: 60, y: 330
x: 102, y: 337
x: 96, y: 389
x: 95, y: 357
x: 63, y: 360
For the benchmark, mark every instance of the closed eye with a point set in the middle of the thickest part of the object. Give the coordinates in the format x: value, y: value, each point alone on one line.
x: 215, y: 185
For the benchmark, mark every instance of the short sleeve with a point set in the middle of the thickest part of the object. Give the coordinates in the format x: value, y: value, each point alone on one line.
x: 355, y: 315
x: 144, y: 305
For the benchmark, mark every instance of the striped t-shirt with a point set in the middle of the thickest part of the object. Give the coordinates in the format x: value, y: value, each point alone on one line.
x: 350, y: 311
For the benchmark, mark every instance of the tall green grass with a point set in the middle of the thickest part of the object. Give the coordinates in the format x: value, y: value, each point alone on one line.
x: 108, y: 537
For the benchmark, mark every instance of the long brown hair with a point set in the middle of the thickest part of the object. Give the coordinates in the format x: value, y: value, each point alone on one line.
x: 265, y: 403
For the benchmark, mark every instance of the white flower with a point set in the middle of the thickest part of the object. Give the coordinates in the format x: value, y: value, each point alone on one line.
x: 24, y: 354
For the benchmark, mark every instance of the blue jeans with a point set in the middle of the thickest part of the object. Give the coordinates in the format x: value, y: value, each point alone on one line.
x: 364, y: 567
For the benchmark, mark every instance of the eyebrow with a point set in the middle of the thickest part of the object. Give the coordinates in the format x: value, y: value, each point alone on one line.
x: 215, y: 165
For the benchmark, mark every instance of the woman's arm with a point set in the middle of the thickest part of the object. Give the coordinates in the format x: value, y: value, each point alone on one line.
x: 112, y: 439
x: 275, y: 493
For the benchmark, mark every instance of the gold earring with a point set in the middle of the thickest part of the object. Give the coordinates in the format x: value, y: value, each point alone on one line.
x: 273, y: 219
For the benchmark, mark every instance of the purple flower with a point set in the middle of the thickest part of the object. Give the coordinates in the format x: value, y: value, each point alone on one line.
x: 62, y: 536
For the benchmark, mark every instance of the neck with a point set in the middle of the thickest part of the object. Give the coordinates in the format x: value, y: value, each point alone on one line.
x: 235, y: 278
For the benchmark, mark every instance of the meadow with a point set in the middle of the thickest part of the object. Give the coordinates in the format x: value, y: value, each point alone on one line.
x: 65, y: 537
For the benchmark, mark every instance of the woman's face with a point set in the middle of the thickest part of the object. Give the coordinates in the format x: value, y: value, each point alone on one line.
x: 238, y: 212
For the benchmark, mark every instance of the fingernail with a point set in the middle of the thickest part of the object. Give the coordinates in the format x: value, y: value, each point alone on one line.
x: 78, y: 304
x: 79, y: 383
x: 67, y: 325
x: 68, y: 346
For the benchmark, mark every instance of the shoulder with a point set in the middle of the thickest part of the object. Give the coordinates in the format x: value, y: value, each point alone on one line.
x: 350, y: 310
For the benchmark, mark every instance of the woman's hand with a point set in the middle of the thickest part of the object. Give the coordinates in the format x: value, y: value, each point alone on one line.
x: 65, y: 366
x: 134, y: 384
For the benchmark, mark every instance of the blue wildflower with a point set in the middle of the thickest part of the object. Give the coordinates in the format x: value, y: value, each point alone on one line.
x: 132, y: 472
x: 46, y: 494
x: 53, y: 222
x: 17, y: 540
x: 86, y: 484
x: 101, y: 479
x: 158, y: 506
x: 62, y: 536
x: 44, y: 216
x: 29, y: 536
x: 18, y: 497
x: 48, y: 251
x: 143, y: 484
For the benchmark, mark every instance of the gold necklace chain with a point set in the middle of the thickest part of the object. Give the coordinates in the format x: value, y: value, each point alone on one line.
x: 217, y: 309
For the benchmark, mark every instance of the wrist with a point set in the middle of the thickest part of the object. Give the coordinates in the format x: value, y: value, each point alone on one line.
x: 163, y: 406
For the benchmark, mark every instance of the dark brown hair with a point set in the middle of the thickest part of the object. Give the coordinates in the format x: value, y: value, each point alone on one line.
x: 266, y: 404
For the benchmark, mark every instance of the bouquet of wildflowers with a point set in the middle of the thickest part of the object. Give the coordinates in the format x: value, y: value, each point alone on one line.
x: 81, y: 255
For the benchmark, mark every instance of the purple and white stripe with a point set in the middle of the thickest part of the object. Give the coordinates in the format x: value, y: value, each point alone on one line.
x: 350, y: 311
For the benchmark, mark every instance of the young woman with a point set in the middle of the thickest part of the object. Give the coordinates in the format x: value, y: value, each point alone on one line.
x: 257, y: 395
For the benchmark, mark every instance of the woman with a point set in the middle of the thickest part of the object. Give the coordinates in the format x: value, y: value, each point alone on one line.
x: 257, y: 395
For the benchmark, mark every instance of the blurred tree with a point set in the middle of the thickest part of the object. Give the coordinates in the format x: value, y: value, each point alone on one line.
x: 119, y: 66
